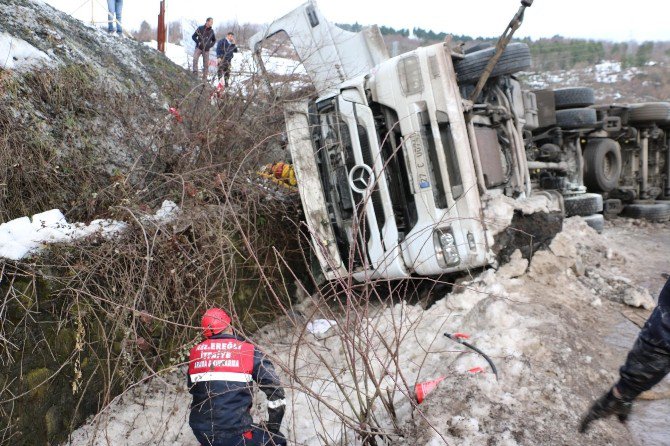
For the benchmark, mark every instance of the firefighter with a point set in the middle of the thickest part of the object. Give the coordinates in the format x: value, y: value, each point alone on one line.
x: 221, y: 372
x: 646, y: 365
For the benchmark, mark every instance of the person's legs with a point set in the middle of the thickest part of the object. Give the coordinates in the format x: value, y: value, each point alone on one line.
x: 205, y: 62
x: 196, y: 56
x: 226, y: 72
x: 209, y: 440
x: 219, y: 68
x: 119, y: 7
x: 111, y: 11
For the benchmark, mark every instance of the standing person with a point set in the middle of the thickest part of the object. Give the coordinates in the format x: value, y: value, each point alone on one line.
x: 646, y: 365
x: 204, y: 39
x: 114, y: 8
x: 220, y: 374
x: 225, y: 50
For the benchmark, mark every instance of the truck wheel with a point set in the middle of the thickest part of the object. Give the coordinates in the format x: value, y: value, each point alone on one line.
x: 583, y: 205
x: 602, y: 164
x: 478, y: 47
x: 652, y: 211
x: 575, y: 118
x: 576, y: 97
x: 596, y: 221
x: 515, y: 58
x: 650, y: 112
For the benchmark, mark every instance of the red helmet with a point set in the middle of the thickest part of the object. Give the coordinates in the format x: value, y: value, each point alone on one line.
x: 214, y: 321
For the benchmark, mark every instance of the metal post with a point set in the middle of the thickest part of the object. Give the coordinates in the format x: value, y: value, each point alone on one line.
x: 161, y: 28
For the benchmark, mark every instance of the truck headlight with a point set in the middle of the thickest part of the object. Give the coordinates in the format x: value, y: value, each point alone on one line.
x: 445, y: 248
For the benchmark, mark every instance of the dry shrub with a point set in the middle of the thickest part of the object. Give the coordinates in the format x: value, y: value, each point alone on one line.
x: 126, y: 307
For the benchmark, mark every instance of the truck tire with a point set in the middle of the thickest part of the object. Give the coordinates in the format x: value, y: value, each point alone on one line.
x: 650, y: 211
x: 602, y: 164
x: 583, y: 204
x: 596, y: 221
x: 576, y: 97
x: 515, y: 58
x: 650, y: 112
x: 576, y: 118
x: 477, y: 47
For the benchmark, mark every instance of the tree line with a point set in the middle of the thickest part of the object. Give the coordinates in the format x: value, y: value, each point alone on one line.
x: 555, y: 53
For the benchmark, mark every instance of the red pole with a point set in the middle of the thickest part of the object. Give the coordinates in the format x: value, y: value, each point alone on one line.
x: 162, y: 31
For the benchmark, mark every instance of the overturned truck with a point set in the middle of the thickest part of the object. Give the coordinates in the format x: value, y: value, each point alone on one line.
x: 398, y: 174
x: 619, y: 153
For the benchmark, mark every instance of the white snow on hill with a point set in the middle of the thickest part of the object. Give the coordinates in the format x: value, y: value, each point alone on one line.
x: 607, y: 72
x: 243, y: 64
x: 17, y: 54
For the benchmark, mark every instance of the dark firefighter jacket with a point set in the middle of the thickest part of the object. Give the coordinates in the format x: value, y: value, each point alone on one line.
x: 204, y: 38
x: 649, y: 359
x: 225, y: 50
x: 220, y: 374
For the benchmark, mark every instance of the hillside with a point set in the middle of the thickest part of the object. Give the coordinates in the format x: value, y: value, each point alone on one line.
x: 95, y: 128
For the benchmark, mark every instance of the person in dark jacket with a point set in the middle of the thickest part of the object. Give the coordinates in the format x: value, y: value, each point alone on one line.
x: 646, y: 365
x: 204, y: 39
x: 221, y: 372
x: 225, y: 50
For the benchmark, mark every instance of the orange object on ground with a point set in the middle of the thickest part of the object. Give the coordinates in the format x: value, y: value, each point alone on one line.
x: 424, y: 388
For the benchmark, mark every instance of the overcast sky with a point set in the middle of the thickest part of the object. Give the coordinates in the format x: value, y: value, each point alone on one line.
x: 597, y: 19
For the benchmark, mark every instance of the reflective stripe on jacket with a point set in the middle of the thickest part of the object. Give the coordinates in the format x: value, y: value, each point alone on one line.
x: 220, y: 374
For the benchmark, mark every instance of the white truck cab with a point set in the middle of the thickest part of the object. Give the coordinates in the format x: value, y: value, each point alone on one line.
x: 390, y: 172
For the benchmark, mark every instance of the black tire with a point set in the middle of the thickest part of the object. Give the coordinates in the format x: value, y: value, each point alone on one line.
x: 652, y: 211
x: 583, y: 205
x: 650, y: 112
x: 596, y: 221
x: 515, y: 58
x: 576, y: 97
x: 602, y: 164
x: 477, y: 47
x: 576, y: 118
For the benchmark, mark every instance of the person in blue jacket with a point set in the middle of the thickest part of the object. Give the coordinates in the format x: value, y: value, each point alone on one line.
x: 221, y: 372
x: 225, y: 50
x: 646, y: 365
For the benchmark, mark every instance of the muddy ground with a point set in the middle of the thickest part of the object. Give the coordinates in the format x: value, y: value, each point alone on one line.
x: 557, y: 330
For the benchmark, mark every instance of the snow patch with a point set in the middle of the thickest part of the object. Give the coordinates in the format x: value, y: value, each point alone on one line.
x: 24, y: 236
x: 17, y: 54
x: 320, y: 326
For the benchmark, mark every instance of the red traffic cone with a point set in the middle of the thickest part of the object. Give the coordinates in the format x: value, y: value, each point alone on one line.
x: 424, y: 388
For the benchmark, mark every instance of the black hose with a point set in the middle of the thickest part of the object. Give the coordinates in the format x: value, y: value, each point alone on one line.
x: 476, y: 350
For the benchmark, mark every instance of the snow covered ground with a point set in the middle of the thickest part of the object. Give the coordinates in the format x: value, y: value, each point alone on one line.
x: 17, y: 54
x: 24, y: 236
x: 243, y: 66
x: 554, y: 329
